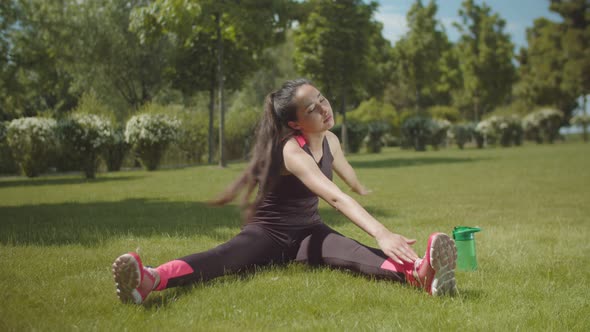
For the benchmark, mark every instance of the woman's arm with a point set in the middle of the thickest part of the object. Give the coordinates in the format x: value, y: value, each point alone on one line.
x: 342, y: 167
x: 305, y: 169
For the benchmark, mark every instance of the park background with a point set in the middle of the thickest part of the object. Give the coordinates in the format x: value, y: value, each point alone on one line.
x: 450, y: 120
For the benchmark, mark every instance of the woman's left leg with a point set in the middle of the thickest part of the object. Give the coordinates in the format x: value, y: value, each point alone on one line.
x: 325, y: 246
x: 434, y: 272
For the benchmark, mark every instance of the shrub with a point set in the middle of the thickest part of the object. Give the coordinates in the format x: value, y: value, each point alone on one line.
x: 356, y: 131
x: 372, y: 110
x: 487, y: 130
x: 86, y: 136
x: 512, y: 131
x: 416, y: 132
x: 374, y: 139
x: 32, y: 141
x: 507, y: 129
x: 438, y: 132
x: 149, y: 134
x: 543, y: 125
x: 114, y: 148
x: 378, y: 121
x: 462, y: 134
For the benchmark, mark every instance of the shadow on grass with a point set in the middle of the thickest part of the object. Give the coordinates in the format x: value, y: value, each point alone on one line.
x: 47, y: 181
x: 91, y: 224
x: 405, y: 162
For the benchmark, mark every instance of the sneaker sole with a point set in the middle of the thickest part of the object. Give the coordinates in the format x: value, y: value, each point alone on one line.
x: 443, y: 259
x: 127, y: 273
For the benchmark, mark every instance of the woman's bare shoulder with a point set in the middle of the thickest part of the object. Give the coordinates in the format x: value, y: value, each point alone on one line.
x: 333, y: 141
x: 291, y: 146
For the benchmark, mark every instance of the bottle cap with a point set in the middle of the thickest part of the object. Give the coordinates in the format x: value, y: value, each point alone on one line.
x: 464, y: 233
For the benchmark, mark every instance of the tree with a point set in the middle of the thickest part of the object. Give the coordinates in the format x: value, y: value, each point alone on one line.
x: 541, y: 69
x: 35, y: 36
x: 576, y: 45
x: 485, y: 58
x: 111, y: 60
x: 422, y: 58
x: 7, y: 20
x: 226, y: 38
x: 333, y: 48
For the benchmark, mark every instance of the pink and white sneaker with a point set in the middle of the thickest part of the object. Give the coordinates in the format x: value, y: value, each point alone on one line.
x: 436, y: 271
x: 134, y: 281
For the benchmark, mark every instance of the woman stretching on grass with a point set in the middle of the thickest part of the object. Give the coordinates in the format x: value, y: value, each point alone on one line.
x: 291, y: 165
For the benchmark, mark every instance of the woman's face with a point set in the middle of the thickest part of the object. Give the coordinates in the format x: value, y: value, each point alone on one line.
x: 314, y: 113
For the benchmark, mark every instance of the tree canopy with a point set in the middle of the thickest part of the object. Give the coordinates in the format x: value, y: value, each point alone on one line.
x: 132, y: 52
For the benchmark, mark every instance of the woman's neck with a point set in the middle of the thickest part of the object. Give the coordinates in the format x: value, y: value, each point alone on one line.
x: 314, y: 140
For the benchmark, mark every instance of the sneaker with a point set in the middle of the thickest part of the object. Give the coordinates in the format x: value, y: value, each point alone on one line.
x: 134, y: 281
x: 436, y: 271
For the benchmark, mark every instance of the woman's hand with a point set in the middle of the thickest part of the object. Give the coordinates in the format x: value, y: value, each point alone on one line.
x: 397, y: 247
x: 362, y: 190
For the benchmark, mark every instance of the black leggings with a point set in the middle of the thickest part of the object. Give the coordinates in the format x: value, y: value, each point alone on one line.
x: 254, y: 246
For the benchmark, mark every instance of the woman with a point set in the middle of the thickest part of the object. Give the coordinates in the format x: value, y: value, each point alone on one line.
x: 291, y: 166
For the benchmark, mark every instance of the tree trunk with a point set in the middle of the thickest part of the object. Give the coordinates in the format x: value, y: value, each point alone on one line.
x: 476, y: 109
x: 344, y: 132
x: 222, y: 162
x: 211, y: 114
x: 584, y: 125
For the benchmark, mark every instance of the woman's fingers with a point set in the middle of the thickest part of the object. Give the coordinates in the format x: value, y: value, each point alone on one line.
x: 412, y: 253
x: 397, y: 260
x: 400, y: 256
x: 410, y: 241
x: 409, y: 254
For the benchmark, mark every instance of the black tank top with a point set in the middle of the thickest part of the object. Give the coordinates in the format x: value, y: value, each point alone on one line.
x: 291, y: 204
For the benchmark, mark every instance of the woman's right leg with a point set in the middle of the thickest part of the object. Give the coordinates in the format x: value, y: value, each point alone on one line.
x: 251, y: 247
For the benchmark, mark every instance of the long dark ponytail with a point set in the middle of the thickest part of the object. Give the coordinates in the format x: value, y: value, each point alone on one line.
x: 266, y: 157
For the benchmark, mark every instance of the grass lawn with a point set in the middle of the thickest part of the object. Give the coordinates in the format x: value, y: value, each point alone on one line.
x: 60, y: 234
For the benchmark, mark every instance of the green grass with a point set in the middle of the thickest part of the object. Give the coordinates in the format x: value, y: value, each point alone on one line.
x: 60, y: 234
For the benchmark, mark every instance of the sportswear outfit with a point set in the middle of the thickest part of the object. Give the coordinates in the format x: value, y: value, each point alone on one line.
x: 285, y: 227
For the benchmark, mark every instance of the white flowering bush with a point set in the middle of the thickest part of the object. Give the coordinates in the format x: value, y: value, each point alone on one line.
x: 507, y: 129
x: 86, y: 136
x: 32, y: 142
x: 543, y: 125
x: 580, y: 120
x: 439, y: 132
x: 149, y: 135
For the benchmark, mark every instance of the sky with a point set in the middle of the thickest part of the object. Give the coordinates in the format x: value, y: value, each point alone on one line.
x: 518, y: 14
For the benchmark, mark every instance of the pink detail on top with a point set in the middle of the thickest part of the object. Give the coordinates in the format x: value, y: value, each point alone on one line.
x: 301, y: 140
x: 173, y: 269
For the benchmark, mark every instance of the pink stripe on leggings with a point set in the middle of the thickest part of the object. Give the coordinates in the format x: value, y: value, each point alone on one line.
x: 406, y: 268
x: 172, y: 269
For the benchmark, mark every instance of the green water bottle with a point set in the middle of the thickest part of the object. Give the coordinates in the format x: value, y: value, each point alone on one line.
x: 465, y: 243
